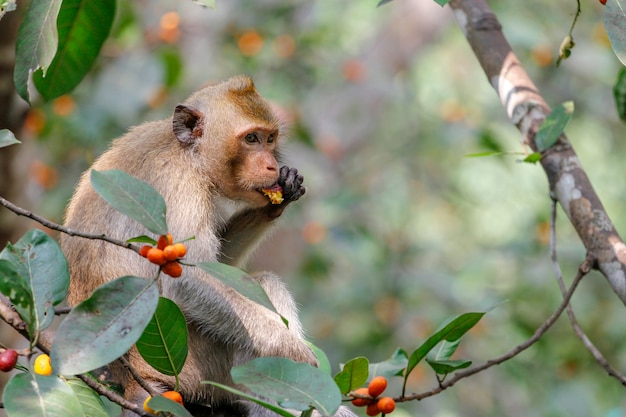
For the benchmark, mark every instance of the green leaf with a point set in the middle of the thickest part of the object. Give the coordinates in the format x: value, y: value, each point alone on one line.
x: 135, y: 198
x: 445, y: 367
x: 160, y: 403
x: 533, y: 158
x: 163, y: 343
x: 322, y: 360
x: 38, y: 259
x: 142, y: 239
x: 444, y: 350
x: 553, y: 126
x: 104, y: 326
x: 252, y: 398
x: 90, y: 402
x: 483, y: 154
x: 83, y: 26
x: 353, y: 374
x: 615, y: 24
x: 28, y: 395
x: 442, y: 2
x: 451, y: 330
x: 390, y: 367
x: 382, y: 2
x: 7, y: 138
x: 294, y: 385
x: 245, y: 284
x: 36, y: 43
x: 619, y: 93
x: 173, y: 64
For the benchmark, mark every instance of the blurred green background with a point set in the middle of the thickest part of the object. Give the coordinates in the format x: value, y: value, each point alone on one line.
x: 399, y: 228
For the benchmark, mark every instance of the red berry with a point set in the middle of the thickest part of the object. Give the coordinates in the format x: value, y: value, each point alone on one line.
x: 603, y: 1
x: 377, y: 385
x: 8, y: 359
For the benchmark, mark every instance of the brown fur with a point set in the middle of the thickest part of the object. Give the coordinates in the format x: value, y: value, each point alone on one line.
x: 209, y: 175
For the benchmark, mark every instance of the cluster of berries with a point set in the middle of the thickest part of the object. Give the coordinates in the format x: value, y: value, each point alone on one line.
x: 41, y: 366
x: 166, y: 254
x: 374, y: 404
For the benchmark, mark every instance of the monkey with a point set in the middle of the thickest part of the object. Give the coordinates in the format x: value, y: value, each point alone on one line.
x: 209, y: 161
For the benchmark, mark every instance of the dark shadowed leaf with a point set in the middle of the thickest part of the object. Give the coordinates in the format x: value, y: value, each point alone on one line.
x: 17, y: 290
x: 163, y: 343
x: 104, y: 326
x: 135, y: 198
x: 36, y: 42
x: 353, y: 375
x: 83, y: 26
x: 7, y: 138
x: 240, y: 281
x: 29, y: 395
x: 294, y: 385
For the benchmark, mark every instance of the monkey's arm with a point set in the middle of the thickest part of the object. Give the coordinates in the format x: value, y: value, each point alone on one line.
x: 245, y: 229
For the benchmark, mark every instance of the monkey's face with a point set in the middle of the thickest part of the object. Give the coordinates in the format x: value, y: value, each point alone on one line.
x: 252, y: 165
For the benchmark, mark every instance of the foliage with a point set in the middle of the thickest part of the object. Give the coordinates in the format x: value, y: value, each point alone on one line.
x: 381, y: 261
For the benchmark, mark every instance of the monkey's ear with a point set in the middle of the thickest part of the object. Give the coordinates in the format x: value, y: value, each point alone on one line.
x: 187, y: 124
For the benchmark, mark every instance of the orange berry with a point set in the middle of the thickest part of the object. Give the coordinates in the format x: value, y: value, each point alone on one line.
x: 181, y: 249
x: 372, y: 410
x: 361, y: 402
x: 174, y: 396
x: 170, y: 253
x: 156, y: 256
x: 164, y: 240
x: 386, y: 405
x: 144, y: 250
x: 145, y: 405
x: 42, y: 365
x: 377, y: 385
x: 173, y: 269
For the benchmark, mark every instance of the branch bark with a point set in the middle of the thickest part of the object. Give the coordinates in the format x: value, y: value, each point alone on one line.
x: 526, y: 109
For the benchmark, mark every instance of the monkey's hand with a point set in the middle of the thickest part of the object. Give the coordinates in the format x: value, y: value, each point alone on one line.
x: 291, y: 183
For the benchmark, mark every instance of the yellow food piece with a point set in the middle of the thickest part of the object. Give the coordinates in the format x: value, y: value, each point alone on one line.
x: 42, y: 365
x: 275, y: 196
x: 146, y: 407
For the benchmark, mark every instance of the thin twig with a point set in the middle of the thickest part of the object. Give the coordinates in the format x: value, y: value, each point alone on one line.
x: 112, y: 395
x: 55, y: 226
x: 595, y: 352
x: 142, y: 382
x: 500, y: 359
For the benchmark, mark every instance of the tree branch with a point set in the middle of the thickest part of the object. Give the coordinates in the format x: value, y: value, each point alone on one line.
x: 582, y: 271
x: 526, y: 109
x: 55, y: 226
x: 595, y: 352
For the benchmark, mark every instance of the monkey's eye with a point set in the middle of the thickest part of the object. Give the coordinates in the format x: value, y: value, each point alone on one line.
x: 270, y: 138
x: 252, y: 138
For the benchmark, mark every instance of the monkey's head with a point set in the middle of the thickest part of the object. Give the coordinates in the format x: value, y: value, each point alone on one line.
x: 232, y: 134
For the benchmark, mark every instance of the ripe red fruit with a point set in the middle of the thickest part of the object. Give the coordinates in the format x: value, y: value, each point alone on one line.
x: 377, y: 385
x: 170, y: 253
x: 174, y: 396
x: 164, y: 240
x: 144, y: 250
x: 156, y: 256
x: 8, y: 359
x: 372, y: 410
x: 361, y: 402
x: 173, y: 269
x: 386, y: 405
x: 603, y: 1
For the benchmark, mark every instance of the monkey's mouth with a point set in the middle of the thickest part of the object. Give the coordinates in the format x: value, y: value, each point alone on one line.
x: 274, y: 193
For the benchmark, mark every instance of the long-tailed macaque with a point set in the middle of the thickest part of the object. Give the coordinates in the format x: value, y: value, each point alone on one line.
x: 209, y: 161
